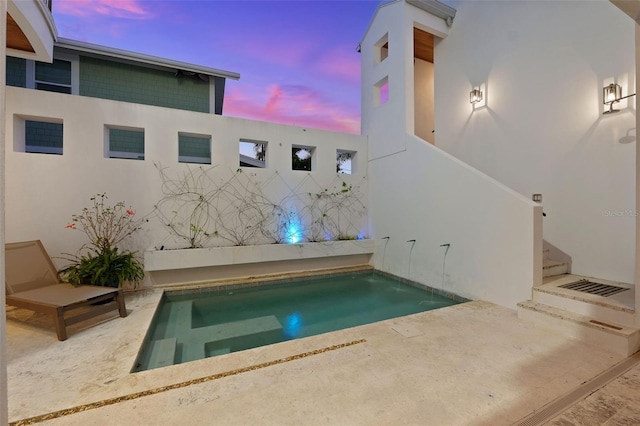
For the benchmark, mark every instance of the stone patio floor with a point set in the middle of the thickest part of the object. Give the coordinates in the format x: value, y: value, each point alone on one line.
x: 470, y: 364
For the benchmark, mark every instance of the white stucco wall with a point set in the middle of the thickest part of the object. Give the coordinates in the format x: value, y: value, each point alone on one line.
x: 427, y: 195
x: 543, y: 66
x: 420, y: 192
x: 43, y: 191
x: 396, y: 20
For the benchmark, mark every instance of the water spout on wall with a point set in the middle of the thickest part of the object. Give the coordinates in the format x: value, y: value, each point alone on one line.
x: 413, y: 243
x: 384, y: 250
x: 444, y: 262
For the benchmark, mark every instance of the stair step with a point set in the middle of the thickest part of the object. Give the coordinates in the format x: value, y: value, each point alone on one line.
x: 596, y: 307
x: 179, y: 318
x: 617, y: 338
x: 199, y: 342
x: 163, y: 353
x: 553, y: 267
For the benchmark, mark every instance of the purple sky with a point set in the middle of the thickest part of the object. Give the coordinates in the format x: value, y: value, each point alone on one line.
x: 297, y: 59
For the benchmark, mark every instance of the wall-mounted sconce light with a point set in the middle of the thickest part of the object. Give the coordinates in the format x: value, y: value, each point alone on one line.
x: 612, y: 94
x: 475, y: 96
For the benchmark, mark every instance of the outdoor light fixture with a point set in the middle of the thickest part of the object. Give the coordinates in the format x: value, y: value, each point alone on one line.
x: 475, y: 96
x: 612, y: 94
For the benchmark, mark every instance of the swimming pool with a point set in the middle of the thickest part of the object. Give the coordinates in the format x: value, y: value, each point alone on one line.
x: 199, y: 324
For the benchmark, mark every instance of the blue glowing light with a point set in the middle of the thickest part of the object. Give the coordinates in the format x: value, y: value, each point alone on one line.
x: 294, y: 233
x: 292, y: 326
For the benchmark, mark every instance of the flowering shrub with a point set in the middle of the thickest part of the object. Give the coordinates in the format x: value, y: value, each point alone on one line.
x: 106, y: 226
x: 102, y: 263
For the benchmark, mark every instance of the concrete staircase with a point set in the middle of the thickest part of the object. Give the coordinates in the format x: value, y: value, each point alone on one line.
x: 551, y: 267
x: 598, y: 320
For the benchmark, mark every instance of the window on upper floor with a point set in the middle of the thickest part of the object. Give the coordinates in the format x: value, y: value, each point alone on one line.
x: 54, y: 77
x: 60, y: 76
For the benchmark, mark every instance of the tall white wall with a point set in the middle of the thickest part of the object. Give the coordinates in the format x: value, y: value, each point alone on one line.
x: 43, y: 190
x: 427, y: 195
x: 542, y: 67
x: 419, y: 192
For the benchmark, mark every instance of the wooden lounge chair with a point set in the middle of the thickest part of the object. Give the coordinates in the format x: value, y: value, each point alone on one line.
x: 32, y: 283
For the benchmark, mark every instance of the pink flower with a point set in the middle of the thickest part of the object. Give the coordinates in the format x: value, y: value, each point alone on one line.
x: 130, y: 212
x: 71, y: 226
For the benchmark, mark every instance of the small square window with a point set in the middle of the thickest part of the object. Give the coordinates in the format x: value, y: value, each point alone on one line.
x: 43, y: 137
x: 302, y: 157
x: 253, y: 153
x: 345, y: 162
x: 194, y: 148
x: 125, y: 143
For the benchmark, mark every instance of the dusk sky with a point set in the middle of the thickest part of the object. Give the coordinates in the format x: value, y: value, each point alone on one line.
x: 297, y: 59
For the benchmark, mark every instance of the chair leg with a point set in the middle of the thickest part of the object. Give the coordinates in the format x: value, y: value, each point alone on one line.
x: 61, y: 329
x: 122, y: 309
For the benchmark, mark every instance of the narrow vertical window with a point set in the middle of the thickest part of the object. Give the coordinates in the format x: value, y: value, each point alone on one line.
x: 381, y: 49
x: 381, y: 92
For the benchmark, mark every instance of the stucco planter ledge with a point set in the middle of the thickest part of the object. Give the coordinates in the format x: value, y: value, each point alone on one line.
x: 164, y: 260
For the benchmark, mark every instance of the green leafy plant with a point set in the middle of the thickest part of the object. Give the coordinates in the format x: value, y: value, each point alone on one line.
x: 101, y: 262
x: 109, y: 268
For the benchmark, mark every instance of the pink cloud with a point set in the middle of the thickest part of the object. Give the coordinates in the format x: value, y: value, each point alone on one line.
x: 293, y: 105
x: 130, y: 9
x: 340, y: 63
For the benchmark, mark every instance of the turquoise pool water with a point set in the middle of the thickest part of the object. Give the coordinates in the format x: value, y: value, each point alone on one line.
x: 193, y: 326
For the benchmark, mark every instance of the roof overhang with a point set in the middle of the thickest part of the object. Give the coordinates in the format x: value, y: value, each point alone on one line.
x: 31, y: 30
x: 139, y: 58
x: 435, y: 8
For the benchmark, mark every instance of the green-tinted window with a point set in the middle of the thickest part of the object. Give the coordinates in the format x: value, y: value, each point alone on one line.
x: 194, y: 149
x: 54, y: 77
x: 126, y: 144
x: 16, y: 72
x: 43, y: 137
